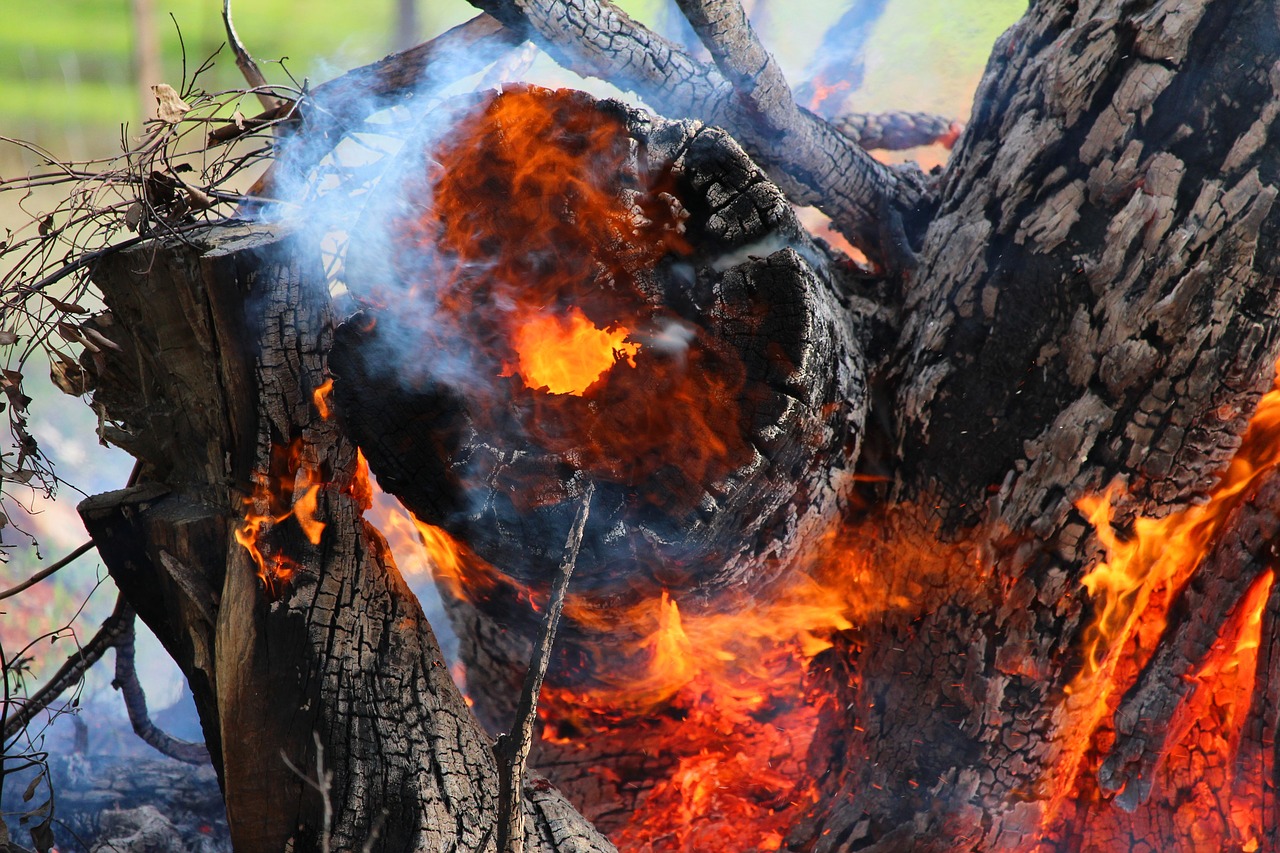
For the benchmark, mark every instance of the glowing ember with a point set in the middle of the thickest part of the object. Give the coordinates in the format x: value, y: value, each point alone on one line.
x: 567, y: 355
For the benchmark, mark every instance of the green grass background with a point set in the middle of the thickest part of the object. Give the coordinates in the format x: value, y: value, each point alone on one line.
x: 66, y: 78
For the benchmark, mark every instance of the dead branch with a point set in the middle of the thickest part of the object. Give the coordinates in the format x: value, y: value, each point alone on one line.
x: 47, y: 571
x: 135, y: 700
x: 513, y: 749
x: 898, y: 129
x: 812, y: 162
x: 248, y: 67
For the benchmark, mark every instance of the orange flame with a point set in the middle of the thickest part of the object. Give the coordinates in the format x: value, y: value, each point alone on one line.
x: 567, y: 355
x: 320, y: 398
x: 290, y: 488
x: 1132, y: 591
x: 542, y: 231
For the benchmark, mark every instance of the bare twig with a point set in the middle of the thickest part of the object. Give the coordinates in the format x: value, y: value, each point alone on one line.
x: 46, y: 572
x: 322, y: 784
x: 513, y: 749
x: 135, y: 702
x: 73, y: 670
x: 244, y: 61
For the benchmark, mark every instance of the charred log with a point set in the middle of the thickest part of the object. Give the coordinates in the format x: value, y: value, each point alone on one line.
x: 714, y: 458
x: 254, y: 640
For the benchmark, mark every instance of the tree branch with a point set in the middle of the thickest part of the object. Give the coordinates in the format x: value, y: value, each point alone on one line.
x: 513, y: 749
x: 74, y: 669
x: 898, y: 129
x: 135, y: 700
x: 813, y: 162
x: 248, y: 67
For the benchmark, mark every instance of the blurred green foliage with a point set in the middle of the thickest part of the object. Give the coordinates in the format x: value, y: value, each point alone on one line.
x: 66, y: 67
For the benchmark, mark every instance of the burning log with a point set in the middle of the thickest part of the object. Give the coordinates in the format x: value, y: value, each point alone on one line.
x: 625, y: 302
x: 257, y: 642
x: 1094, y: 312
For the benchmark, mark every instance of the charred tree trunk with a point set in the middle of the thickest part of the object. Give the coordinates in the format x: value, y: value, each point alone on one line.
x: 1092, y: 306
x: 312, y: 671
x: 1096, y: 305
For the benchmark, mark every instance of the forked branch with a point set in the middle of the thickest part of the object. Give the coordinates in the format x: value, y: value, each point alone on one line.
x: 810, y: 160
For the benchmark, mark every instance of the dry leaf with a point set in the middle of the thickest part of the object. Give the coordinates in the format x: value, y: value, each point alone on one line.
x: 133, y: 216
x: 69, y: 376
x: 169, y: 107
x: 64, y: 307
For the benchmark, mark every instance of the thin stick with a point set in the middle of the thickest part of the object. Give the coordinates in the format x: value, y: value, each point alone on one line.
x: 513, y: 749
x: 45, y: 572
x: 244, y: 61
x: 72, y: 671
x: 135, y: 702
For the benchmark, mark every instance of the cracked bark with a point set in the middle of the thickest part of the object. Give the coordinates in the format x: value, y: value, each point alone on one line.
x: 1095, y: 304
x: 345, y: 652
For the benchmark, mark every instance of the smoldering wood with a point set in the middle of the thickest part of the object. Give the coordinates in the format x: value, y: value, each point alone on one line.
x: 759, y: 286
x: 1095, y: 302
x: 241, y: 315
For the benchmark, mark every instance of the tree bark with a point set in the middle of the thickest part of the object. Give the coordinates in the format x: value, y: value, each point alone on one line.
x: 326, y: 685
x: 1094, y: 306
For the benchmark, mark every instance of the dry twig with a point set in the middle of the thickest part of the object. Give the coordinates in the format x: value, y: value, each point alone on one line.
x: 512, y: 749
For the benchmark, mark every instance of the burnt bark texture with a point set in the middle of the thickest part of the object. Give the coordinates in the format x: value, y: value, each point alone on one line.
x: 1096, y: 303
x: 1085, y: 300
x: 320, y: 692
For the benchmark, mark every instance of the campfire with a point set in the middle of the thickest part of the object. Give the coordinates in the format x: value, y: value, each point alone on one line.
x: 567, y: 281
x: 965, y: 545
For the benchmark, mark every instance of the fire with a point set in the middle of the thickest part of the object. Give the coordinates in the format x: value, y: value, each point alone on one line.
x: 534, y: 251
x: 1132, y: 591
x: 289, y: 489
x: 717, y: 700
x: 568, y: 355
x: 320, y: 398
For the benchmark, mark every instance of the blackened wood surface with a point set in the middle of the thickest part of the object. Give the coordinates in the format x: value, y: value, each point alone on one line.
x: 763, y: 293
x: 342, y: 658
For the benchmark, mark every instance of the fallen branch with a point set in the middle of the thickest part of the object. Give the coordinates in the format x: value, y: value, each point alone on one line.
x: 513, y: 749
